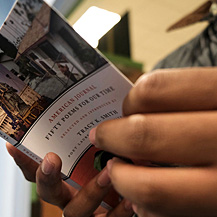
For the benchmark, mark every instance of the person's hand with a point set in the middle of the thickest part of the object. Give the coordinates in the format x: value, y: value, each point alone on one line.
x: 52, y: 189
x: 170, y: 118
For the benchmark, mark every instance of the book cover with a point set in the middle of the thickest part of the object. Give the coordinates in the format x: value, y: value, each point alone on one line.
x: 54, y: 88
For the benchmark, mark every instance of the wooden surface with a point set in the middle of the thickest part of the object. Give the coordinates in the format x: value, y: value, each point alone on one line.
x: 48, y: 210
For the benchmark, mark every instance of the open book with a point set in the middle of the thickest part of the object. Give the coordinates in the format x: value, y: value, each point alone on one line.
x: 54, y: 88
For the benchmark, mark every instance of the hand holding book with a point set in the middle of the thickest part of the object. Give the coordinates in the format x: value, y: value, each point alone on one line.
x: 170, y: 118
x: 168, y: 126
x: 54, y: 190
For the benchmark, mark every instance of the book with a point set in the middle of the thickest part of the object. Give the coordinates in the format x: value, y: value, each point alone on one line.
x: 54, y: 89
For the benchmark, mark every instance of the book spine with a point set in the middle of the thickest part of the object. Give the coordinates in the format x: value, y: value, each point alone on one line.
x: 7, y: 138
x: 30, y: 154
x: 22, y: 148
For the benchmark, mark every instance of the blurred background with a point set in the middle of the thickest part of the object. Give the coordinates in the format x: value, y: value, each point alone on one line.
x: 131, y: 34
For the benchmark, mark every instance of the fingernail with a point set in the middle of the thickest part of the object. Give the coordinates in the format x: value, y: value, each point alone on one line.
x: 128, y: 205
x: 47, y: 166
x: 92, y: 136
x: 113, y: 160
x: 103, y: 179
x: 135, y: 208
x: 109, y: 165
x: 10, y: 149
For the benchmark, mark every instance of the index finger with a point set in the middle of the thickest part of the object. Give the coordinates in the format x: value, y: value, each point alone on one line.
x: 186, y: 138
x: 86, y: 201
x: 188, y: 89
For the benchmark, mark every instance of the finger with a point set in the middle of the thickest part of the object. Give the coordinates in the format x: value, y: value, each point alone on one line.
x: 185, y: 138
x: 140, y: 211
x: 89, y: 197
x: 168, y: 192
x: 189, y: 89
x: 26, y: 164
x: 50, y: 187
x: 124, y: 209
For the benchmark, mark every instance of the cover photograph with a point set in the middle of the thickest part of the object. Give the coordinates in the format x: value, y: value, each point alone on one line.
x: 54, y: 88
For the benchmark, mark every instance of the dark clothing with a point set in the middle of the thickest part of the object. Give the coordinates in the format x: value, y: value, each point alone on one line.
x: 200, y: 51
